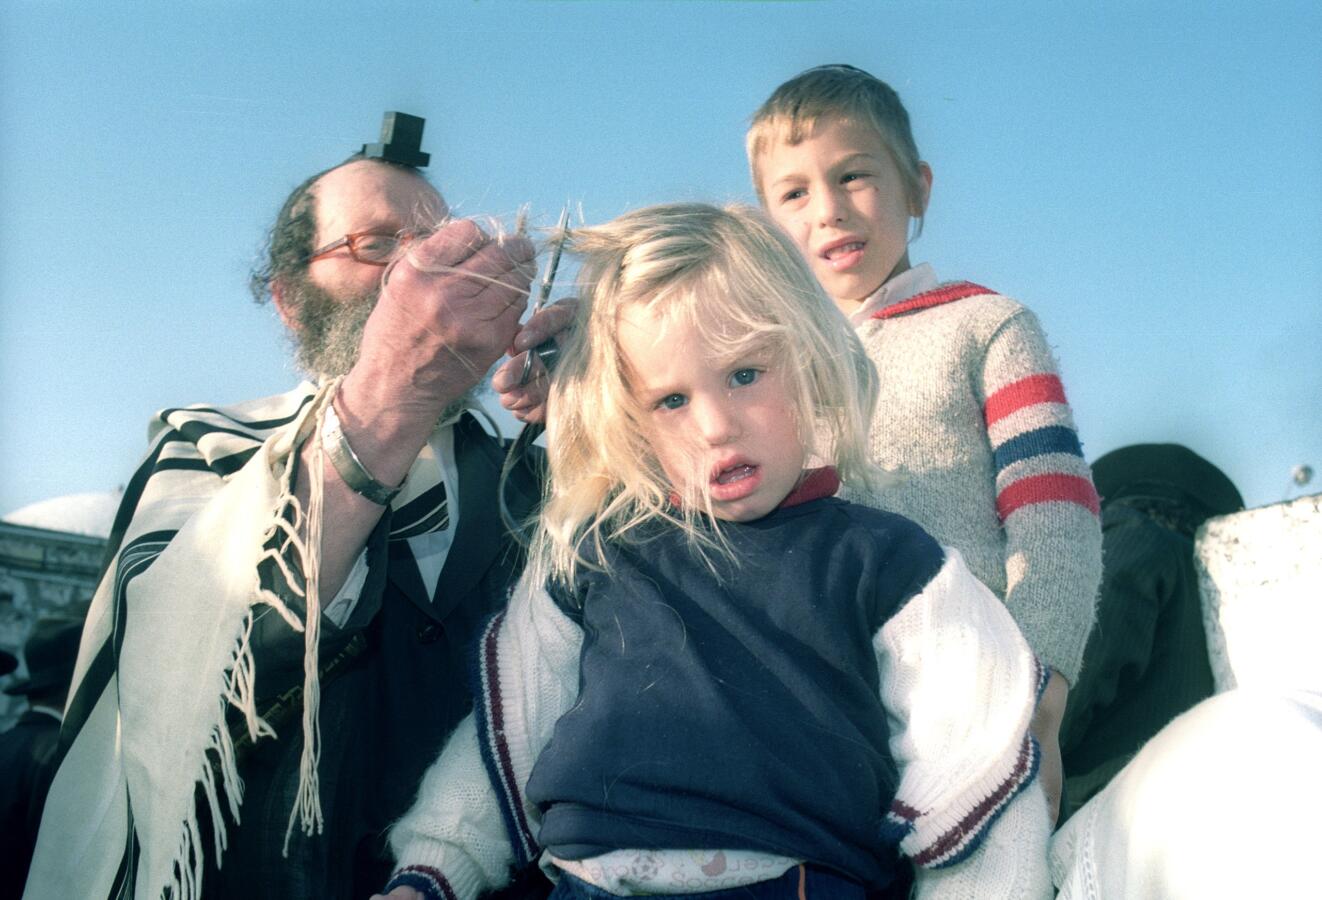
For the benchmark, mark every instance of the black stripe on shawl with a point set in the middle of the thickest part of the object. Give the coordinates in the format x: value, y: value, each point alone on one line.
x: 221, y: 465
x: 128, y: 505
x: 121, y: 887
x: 429, y: 511
x: 256, y: 424
x: 136, y: 558
x: 84, y: 701
x: 133, y: 491
x: 193, y: 432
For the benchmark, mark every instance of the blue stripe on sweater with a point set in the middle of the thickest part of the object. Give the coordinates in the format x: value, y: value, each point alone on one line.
x: 1038, y: 442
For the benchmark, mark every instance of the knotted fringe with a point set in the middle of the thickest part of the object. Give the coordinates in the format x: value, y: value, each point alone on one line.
x: 289, y: 554
x: 307, y: 799
x: 239, y: 694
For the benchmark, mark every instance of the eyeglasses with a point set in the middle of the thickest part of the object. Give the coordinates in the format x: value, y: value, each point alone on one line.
x: 374, y: 248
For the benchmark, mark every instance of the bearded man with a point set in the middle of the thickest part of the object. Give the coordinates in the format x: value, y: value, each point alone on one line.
x: 279, y: 645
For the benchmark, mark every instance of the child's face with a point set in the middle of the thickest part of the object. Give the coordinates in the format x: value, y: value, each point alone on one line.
x: 841, y: 198
x: 731, y: 426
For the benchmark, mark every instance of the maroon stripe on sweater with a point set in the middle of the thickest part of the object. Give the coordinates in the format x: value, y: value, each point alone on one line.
x: 496, y: 726
x: 946, y: 293
x: 438, y: 881
x: 968, y: 827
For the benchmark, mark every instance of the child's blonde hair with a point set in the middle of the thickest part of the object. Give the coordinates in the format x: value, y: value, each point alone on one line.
x: 838, y: 93
x: 736, y: 278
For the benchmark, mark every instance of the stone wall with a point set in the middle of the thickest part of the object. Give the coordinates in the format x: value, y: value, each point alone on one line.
x: 42, y: 572
x: 1260, y: 574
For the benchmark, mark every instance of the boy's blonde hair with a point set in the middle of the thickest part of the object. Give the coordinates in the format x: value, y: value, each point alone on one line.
x: 841, y: 93
x: 735, y: 277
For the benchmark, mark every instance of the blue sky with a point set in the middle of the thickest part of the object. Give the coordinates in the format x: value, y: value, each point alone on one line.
x: 1146, y: 177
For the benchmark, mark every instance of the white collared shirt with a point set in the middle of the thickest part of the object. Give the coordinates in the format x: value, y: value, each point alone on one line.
x: 909, y: 283
x: 429, y: 550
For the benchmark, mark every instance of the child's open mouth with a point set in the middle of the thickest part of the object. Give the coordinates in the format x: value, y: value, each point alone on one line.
x: 735, y: 473
x: 735, y: 482
x: 844, y: 256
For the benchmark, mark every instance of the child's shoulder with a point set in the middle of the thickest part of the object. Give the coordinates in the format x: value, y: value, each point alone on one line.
x: 882, y: 526
x: 903, y: 555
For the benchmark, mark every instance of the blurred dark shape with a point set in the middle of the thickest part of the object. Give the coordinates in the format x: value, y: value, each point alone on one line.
x: 28, y: 751
x: 1146, y: 660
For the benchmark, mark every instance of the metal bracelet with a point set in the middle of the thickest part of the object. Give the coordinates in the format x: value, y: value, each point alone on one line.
x: 347, y: 463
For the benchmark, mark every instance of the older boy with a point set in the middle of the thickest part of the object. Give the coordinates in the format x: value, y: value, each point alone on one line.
x: 972, y: 414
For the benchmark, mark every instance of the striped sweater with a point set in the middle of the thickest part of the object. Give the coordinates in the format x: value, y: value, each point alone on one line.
x: 973, y: 418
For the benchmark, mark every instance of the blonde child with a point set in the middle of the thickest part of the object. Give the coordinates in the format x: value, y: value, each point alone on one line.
x: 972, y: 416
x: 716, y: 679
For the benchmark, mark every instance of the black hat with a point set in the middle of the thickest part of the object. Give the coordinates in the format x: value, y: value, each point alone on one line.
x: 1169, y: 471
x: 50, y: 651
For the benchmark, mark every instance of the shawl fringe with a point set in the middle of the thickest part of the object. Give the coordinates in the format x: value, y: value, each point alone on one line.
x: 292, y: 539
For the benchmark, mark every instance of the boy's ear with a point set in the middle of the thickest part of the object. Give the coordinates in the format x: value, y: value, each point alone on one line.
x: 924, y: 188
x: 284, y: 306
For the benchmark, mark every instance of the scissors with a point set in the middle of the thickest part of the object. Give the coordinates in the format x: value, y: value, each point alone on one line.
x: 547, y: 350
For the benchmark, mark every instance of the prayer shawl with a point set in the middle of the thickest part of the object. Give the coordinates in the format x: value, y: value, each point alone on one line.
x: 207, y: 535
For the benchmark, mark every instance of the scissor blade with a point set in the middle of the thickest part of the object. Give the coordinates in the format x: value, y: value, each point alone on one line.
x: 553, y: 261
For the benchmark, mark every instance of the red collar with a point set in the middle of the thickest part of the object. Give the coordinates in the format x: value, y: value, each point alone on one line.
x: 946, y: 293
x: 815, y: 484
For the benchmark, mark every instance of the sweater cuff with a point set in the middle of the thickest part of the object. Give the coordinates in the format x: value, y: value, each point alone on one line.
x: 430, y: 882
x: 960, y: 684
x: 440, y: 873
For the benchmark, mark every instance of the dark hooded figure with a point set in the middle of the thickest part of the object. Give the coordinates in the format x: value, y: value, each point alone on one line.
x: 1146, y: 660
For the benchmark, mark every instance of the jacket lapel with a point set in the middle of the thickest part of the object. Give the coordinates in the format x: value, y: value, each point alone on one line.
x: 480, y: 536
x: 404, y: 574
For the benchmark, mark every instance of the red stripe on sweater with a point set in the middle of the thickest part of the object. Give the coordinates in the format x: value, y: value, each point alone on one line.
x: 1045, y: 489
x: 1025, y: 392
x: 947, y: 293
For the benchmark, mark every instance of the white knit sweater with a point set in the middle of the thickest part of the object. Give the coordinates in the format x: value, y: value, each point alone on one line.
x: 973, y: 419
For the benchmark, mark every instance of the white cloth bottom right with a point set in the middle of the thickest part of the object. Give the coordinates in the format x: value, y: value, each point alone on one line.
x: 1224, y: 802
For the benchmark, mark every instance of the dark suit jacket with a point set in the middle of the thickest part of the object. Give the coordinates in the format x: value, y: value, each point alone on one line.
x: 386, y: 712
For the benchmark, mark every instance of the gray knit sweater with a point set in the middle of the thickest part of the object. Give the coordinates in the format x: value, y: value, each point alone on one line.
x: 973, y: 419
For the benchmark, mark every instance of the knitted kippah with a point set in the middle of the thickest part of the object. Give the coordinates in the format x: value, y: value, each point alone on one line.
x: 1170, y: 471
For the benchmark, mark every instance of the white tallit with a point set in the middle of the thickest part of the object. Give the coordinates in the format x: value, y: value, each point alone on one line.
x: 209, y: 506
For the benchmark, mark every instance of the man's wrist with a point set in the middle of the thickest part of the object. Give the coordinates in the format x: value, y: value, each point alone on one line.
x: 347, y: 463
x: 385, y: 432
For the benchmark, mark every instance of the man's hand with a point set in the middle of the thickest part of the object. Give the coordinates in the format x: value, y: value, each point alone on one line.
x: 528, y: 401
x: 1046, y: 728
x: 448, y: 310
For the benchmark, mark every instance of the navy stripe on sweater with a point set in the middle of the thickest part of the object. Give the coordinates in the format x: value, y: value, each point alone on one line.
x: 1038, y: 442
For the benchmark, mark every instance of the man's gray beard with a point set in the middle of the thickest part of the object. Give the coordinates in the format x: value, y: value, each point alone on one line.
x: 330, y: 334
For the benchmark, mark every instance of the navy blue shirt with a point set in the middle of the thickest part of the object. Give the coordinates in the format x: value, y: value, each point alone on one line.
x: 736, y: 709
